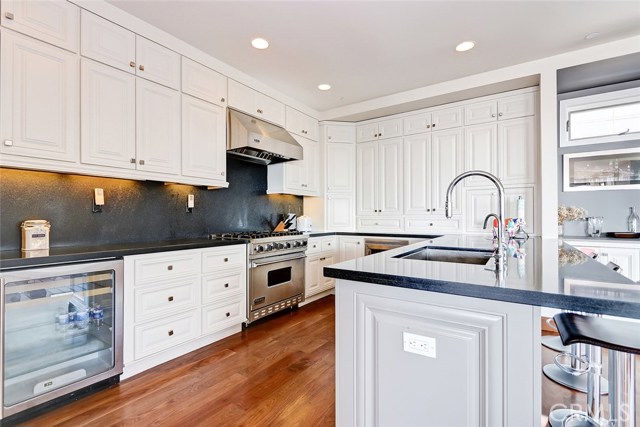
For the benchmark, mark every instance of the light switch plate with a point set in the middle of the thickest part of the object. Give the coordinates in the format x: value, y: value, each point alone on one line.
x: 419, y: 344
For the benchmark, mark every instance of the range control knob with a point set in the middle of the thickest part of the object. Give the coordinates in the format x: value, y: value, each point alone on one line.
x: 279, y: 246
x: 304, y: 243
x: 297, y: 244
x: 259, y: 248
x: 269, y: 247
x: 288, y: 245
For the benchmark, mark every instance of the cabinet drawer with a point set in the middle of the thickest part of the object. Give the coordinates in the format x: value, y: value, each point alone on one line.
x: 152, y: 337
x: 314, y: 245
x: 328, y: 244
x: 220, y: 316
x: 215, y: 287
x: 224, y: 258
x: 152, y: 301
x: 387, y: 224
x: 432, y: 225
x: 161, y: 267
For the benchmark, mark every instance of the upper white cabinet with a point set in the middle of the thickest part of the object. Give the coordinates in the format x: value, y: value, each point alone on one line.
x: 255, y: 103
x: 158, y: 128
x: 431, y: 161
x: 379, y: 130
x: 203, y: 140
x: 298, y: 177
x: 379, y: 178
x: 345, y: 134
x: 118, y: 47
x: 481, y: 149
x: 341, y: 163
x: 509, y: 107
x: 301, y: 124
x: 203, y: 82
x: 341, y: 213
x: 431, y: 121
x: 39, y: 109
x: 52, y: 21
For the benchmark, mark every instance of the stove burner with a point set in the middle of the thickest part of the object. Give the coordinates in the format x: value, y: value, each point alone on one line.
x: 239, y: 235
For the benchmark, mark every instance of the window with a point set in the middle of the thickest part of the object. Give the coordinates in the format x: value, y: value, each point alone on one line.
x: 603, y: 118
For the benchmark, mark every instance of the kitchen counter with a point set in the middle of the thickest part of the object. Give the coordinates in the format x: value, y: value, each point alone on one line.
x: 548, y: 273
x: 15, y: 259
x: 321, y: 233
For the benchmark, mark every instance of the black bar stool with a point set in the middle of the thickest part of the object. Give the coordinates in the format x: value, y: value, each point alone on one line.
x: 623, y: 341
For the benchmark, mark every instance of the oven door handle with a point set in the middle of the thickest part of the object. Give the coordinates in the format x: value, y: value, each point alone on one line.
x: 272, y: 260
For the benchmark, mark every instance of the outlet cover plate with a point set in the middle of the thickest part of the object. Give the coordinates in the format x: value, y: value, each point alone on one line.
x: 419, y: 344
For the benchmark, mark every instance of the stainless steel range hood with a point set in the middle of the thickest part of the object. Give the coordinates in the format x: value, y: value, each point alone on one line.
x: 253, y: 140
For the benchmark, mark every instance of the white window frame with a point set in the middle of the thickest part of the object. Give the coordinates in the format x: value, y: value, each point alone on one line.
x: 591, y: 102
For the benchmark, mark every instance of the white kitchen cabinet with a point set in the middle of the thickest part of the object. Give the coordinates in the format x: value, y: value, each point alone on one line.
x: 298, y: 177
x: 203, y: 82
x: 509, y: 107
x: 481, y: 202
x: 379, y: 178
x: 518, y: 151
x: 157, y: 128
x: 118, y: 47
x: 203, y: 140
x: 39, y: 106
x: 341, y: 212
x: 431, y: 224
x: 351, y: 247
x: 255, y: 103
x: 624, y: 255
x: 431, y: 161
x: 446, y: 118
x: 321, y: 251
x: 108, y: 128
x: 340, y: 133
x: 301, y: 124
x: 341, y: 168
x: 379, y: 130
x: 52, y: 21
x: 481, y: 152
x: 379, y: 224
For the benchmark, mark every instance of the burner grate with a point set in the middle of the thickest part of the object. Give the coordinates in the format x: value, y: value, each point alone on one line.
x: 252, y: 235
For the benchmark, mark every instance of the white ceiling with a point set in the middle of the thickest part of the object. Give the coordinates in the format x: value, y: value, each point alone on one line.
x: 368, y: 49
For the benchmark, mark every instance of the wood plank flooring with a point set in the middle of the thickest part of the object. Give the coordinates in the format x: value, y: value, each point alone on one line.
x: 279, y: 372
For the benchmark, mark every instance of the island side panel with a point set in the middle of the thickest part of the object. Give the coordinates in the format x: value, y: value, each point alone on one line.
x: 486, y: 369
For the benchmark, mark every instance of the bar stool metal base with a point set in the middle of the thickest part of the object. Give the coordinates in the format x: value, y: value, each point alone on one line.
x: 557, y: 416
x: 575, y: 382
x: 554, y: 343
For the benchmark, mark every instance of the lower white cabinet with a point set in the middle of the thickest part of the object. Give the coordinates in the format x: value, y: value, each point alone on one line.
x: 321, y: 251
x: 178, y: 301
x: 351, y: 247
x: 624, y: 255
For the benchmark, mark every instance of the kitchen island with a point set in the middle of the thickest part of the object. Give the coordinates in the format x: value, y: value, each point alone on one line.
x: 423, y: 342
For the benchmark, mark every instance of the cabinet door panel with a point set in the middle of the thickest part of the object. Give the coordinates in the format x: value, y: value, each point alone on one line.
x: 157, y: 63
x: 312, y: 276
x: 55, y: 22
x: 351, y: 248
x: 390, y: 177
x: 340, y: 171
x: 203, y: 139
x: 627, y: 259
x: 481, y: 152
x: 419, y: 123
x: 479, y: 204
x: 446, y: 119
x: 390, y: 129
x: 480, y: 112
x: 108, y: 128
x: 346, y: 134
x: 152, y: 337
x: 158, y: 128
x: 367, y: 172
x: 311, y: 166
x: 517, y: 148
x: 203, y: 82
x: 516, y: 106
x: 367, y: 133
x: 340, y: 212
x: 40, y: 96
x: 107, y: 42
x: 417, y: 174
x: 301, y: 124
x: 446, y: 163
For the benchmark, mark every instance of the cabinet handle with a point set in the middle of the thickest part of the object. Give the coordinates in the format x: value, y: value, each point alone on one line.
x: 170, y: 333
x: 329, y: 137
x: 222, y: 99
x: 433, y: 209
x: 430, y: 224
x: 380, y: 134
x: 358, y: 242
x: 8, y: 15
x: 226, y: 285
x: 132, y: 64
x: 428, y: 126
x: 133, y: 160
x: 375, y: 223
x: 328, y: 244
x: 493, y: 114
x: 375, y: 135
x: 170, y: 267
x: 141, y: 162
x: 499, y: 114
x: 226, y: 260
x: 322, y: 259
x: 428, y: 210
x: 259, y: 111
x: 170, y: 298
x: 228, y: 314
x: 8, y: 142
x: 433, y: 125
x: 141, y: 67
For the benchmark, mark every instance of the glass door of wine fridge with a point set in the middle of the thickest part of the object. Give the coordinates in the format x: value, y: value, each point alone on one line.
x: 61, y: 331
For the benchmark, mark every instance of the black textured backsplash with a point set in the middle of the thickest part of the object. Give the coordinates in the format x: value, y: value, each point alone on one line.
x: 136, y: 210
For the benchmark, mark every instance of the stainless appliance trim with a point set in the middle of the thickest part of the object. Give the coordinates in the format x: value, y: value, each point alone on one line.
x: 372, y: 246
x: 85, y: 267
x: 273, y: 294
x: 275, y: 259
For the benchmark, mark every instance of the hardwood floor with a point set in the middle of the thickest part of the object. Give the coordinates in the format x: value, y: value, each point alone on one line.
x: 278, y: 372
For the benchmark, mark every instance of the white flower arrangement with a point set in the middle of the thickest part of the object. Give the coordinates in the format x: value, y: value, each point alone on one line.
x: 570, y: 213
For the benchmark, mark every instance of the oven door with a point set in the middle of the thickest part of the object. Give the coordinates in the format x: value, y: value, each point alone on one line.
x: 274, y: 279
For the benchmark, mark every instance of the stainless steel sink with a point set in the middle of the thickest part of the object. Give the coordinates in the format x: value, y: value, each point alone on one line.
x: 460, y: 256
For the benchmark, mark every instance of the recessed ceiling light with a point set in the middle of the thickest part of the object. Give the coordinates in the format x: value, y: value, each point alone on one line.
x: 591, y: 36
x: 259, y: 43
x: 465, y: 46
x: 324, y: 86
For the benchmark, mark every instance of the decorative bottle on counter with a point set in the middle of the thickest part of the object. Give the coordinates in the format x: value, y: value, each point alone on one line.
x: 633, y: 222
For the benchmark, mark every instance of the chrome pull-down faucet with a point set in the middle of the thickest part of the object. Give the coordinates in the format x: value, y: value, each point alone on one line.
x: 499, y: 254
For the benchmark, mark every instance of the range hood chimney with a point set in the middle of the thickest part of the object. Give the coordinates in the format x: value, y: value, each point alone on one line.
x: 256, y: 141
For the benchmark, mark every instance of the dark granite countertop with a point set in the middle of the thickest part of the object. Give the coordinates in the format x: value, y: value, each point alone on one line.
x: 548, y: 273
x: 67, y: 254
x: 386, y: 235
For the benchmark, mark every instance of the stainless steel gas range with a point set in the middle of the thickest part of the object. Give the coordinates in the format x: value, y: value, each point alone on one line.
x: 276, y: 270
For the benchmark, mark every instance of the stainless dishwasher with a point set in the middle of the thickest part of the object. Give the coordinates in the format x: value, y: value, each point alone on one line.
x: 61, y: 332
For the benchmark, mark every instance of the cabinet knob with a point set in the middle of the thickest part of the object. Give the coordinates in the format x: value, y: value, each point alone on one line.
x: 428, y: 126
x: 170, y: 267
x: 329, y: 137
x: 132, y: 160
x: 322, y: 259
x: 328, y: 244
x: 375, y: 223
x: 8, y: 15
x: 141, y: 67
x: 8, y: 142
x: 428, y: 210
x: 132, y: 64
x: 433, y: 125
x: 499, y: 114
x: 228, y: 314
x: 375, y: 135
x: 430, y: 224
x: 226, y: 260
x: 222, y: 173
x: 226, y: 285
x: 141, y: 162
x: 259, y: 111
x: 433, y: 209
x: 493, y: 114
x: 358, y: 242
x: 170, y: 333
x: 222, y: 99
x: 170, y: 298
